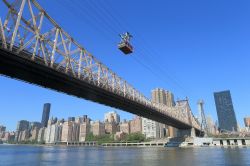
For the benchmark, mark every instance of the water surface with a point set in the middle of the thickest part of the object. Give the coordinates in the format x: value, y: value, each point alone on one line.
x: 77, y: 156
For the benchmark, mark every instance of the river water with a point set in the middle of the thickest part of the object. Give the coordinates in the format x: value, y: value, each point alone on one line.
x: 74, y: 156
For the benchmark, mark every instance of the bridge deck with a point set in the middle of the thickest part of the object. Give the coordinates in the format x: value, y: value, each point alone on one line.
x: 18, y: 67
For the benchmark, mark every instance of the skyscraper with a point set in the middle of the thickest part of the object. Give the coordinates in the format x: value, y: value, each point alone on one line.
x: 225, y: 111
x: 22, y: 125
x: 67, y: 131
x: 112, y: 117
x: 2, y: 129
x: 84, y: 131
x: 136, y: 125
x: 110, y: 127
x: 33, y: 125
x: 163, y: 97
x: 150, y: 128
x: 72, y: 119
x: 125, y: 127
x: 210, y: 125
x: 46, y: 111
x: 247, y: 121
x: 98, y: 128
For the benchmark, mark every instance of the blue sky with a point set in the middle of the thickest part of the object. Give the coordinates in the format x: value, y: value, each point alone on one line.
x: 192, y: 48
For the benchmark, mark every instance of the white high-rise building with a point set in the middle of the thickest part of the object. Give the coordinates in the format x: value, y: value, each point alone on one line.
x: 52, y: 133
x: 41, y: 135
x: 210, y: 125
x: 112, y: 117
x: 47, y: 134
x: 150, y: 129
x: 84, y: 131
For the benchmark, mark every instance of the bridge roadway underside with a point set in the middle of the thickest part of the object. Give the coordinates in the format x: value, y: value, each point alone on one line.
x: 24, y: 69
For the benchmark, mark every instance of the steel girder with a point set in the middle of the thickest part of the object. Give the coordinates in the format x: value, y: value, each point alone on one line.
x: 28, y: 28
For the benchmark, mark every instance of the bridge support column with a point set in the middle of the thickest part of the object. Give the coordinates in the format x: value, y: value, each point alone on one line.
x: 172, y: 132
x: 188, y: 132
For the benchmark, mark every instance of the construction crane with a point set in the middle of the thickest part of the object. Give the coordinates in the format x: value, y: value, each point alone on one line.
x: 125, y: 45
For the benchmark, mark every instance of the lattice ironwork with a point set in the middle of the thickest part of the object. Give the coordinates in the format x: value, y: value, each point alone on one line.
x: 27, y: 28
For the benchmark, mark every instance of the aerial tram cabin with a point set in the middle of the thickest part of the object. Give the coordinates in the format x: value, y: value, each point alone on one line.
x: 124, y: 45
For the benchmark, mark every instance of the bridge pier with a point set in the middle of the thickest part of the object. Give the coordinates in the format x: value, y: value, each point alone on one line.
x: 188, y: 132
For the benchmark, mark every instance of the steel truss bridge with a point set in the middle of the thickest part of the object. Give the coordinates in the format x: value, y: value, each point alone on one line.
x: 35, y: 49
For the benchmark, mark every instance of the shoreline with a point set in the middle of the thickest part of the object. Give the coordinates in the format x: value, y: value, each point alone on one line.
x: 131, y: 146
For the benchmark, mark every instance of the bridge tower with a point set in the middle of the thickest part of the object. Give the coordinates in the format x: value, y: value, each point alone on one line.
x: 204, y: 126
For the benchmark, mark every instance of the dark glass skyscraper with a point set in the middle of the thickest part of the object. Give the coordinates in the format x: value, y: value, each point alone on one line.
x: 46, y: 111
x: 225, y: 111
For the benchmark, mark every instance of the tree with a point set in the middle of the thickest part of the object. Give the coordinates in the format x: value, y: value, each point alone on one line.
x: 135, y: 137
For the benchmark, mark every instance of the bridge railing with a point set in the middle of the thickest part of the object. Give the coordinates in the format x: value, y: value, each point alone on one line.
x: 27, y: 28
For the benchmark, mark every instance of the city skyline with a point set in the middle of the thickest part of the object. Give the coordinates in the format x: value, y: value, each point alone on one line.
x: 199, y: 66
x: 47, y: 106
x: 99, y: 116
x: 78, y: 129
x: 124, y: 82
